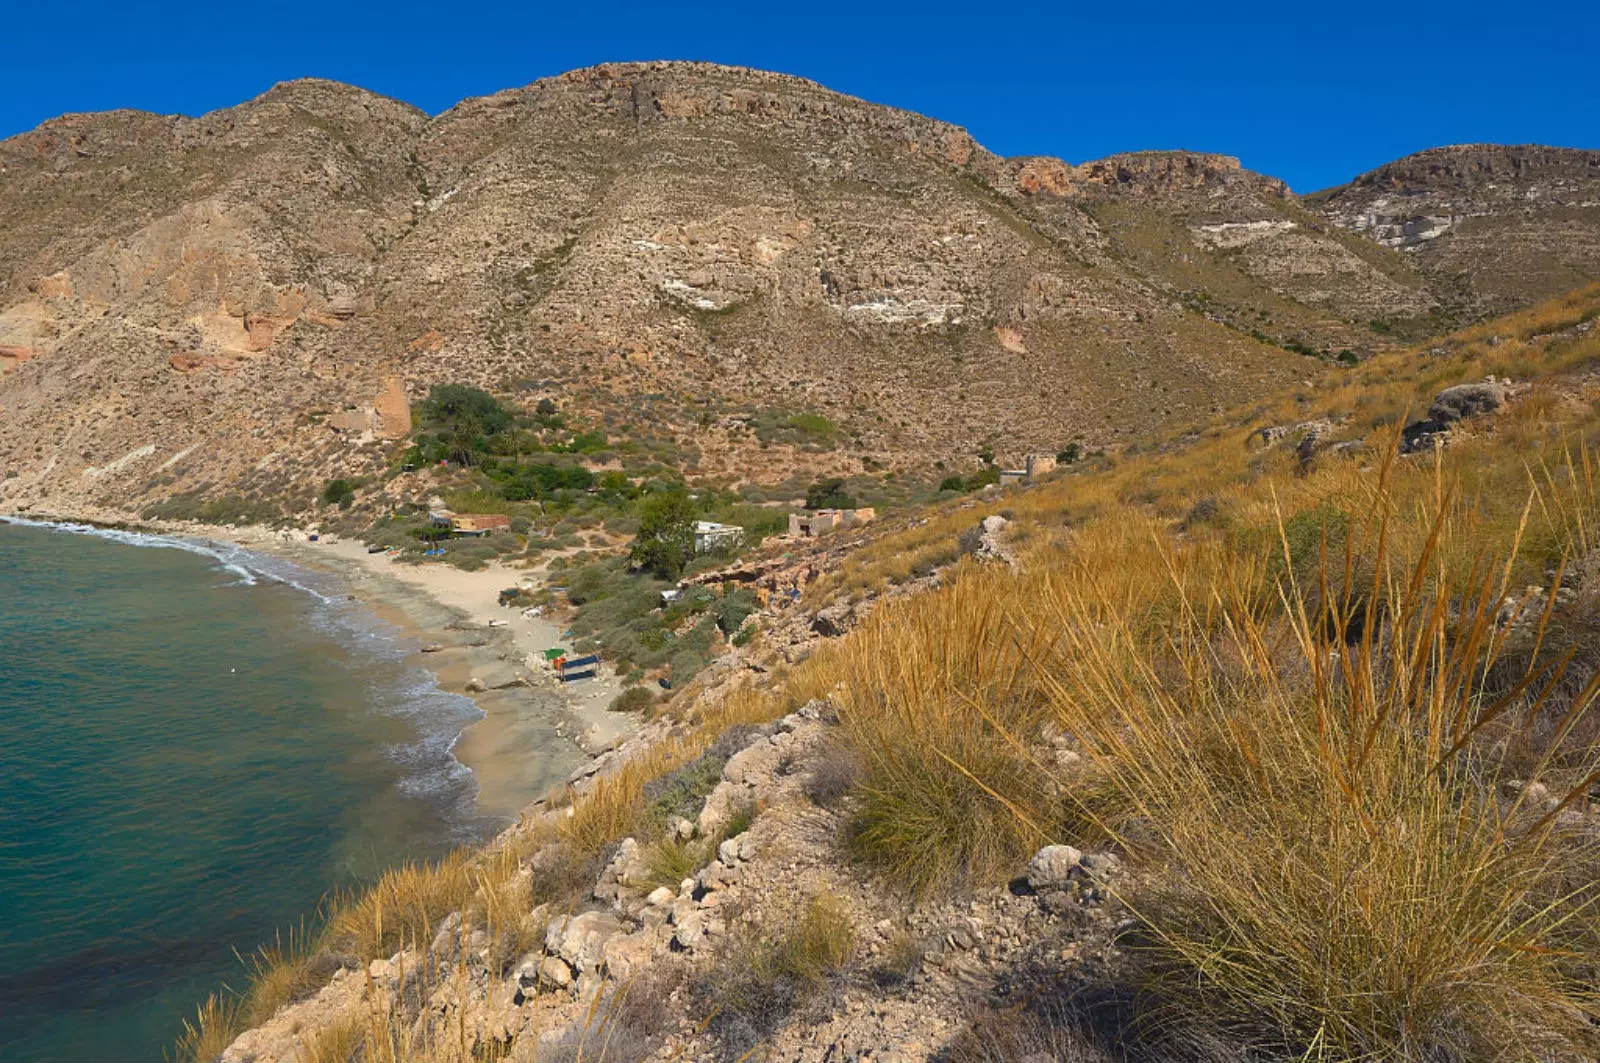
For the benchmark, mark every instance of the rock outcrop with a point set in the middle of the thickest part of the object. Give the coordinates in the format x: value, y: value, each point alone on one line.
x: 1450, y: 407
x: 1493, y: 226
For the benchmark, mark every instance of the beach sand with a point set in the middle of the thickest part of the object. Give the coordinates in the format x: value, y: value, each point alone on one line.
x: 535, y: 731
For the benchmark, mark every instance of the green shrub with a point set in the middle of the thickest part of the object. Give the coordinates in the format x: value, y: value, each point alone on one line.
x: 339, y: 493
x: 733, y: 608
x: 829, y: 494
x: 683, y: 791
x: 634, y: 699
x: 685, y: 666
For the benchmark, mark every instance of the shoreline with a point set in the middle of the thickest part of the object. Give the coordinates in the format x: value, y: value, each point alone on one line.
x: 534, y: 735
x: 492, y: 654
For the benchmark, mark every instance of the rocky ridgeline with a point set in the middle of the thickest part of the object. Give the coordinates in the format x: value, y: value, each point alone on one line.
x: 217, y: 304
x: 1508, y: 220
x: 1150, y: 175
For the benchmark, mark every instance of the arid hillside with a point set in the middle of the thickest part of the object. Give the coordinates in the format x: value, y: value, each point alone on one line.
x: 1492, y: 227
x: 248, y: 301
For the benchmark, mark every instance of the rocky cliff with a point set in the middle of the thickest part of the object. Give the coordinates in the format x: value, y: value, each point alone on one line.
x: 1493, y: 227
x: 242, y: 301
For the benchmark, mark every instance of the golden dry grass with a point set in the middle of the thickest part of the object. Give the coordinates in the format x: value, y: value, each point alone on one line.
x: 216, y: 1023
x: 1336, y: 864
x: 279, y: 972
x: 402, y: 906
x: 1301, y: 707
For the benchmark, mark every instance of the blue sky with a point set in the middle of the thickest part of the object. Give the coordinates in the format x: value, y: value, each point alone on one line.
x: 1312, y: 95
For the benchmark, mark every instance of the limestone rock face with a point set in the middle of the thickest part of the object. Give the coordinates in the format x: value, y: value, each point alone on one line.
x: 1517, y: 223
x: 392, y: 410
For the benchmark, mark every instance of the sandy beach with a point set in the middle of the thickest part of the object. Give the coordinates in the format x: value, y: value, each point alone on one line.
x: 536, y: 730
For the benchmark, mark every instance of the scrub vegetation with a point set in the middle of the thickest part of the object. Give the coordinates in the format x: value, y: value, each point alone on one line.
x: 1335, y: 715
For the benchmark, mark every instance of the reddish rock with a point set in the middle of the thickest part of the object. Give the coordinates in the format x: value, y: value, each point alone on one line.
x: 430, y: 342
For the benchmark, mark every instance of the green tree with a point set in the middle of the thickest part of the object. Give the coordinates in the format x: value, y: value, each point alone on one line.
x: 464, y: 418
x: 829, y: 494
x: 665, y: 543
x: 339, y: 493
x: 1071, y: 453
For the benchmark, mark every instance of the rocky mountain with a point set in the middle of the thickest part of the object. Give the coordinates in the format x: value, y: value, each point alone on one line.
x: 247, y: 301
x: 1492, y: 227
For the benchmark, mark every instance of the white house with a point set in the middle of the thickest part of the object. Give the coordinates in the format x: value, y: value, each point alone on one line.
x: 709, y: 535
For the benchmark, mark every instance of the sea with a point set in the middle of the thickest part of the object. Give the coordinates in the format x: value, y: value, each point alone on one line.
x: 197, y: 745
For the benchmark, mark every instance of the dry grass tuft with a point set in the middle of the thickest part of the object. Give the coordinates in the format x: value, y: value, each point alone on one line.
x: 338, y: 1042
x: 766, y: 978
x: 931, y: 690
x: 403, y: 906
x: 216, y: 1023
x: 1337, y: 867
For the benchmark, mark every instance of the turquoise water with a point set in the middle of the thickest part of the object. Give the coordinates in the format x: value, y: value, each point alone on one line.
x: 194, y: 748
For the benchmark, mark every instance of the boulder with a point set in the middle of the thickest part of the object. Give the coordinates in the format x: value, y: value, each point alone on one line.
x: 628, y: 954
x: 834, y: 620
x: 537, y: 971
x: 1100, y: 866
x: 1268, y: 435
x: 1051, y: 868
x: 717, y: 876
x: 1308, y: 447
x: 690, y: 930
x: 581, y: 939
x: 753, y: 764
x: 627, y: 871
x: 718, y: 809
x: 447, y: 941
x: 1450, y: 407
x: 985, y: 542
x: 682, y: 907
x: 554, y: 972
x: 1468, y: 400
x: 728, y: 851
